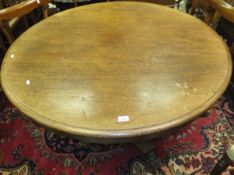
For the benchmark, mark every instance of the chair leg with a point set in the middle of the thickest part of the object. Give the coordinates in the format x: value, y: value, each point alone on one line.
x: 7, y: 32
x: 3, y: 45
x: 210, y: 16
x: 45, y: 10
x: 232, y: 49
x: 2, y: 105
x: 194, y: 6
x: 25, y: 21
x: 224, y: 162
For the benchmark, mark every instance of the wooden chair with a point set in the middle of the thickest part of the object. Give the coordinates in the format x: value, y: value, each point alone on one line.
x: 212, y: 7
x: 2, y: 45
x: 11, y: 15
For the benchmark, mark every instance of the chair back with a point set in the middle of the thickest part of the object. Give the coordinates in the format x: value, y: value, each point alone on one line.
x: 22, y: 9
x: 221, y: 7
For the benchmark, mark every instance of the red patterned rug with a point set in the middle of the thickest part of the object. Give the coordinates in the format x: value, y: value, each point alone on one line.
x: 27, y: 149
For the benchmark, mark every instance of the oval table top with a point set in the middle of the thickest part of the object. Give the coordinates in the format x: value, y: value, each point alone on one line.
x: 117, y: 71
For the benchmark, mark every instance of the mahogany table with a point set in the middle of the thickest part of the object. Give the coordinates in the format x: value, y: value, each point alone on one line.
x: 116, y: 72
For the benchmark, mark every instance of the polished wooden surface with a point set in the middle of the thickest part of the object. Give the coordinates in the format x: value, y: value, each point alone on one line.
x: 83, y: 70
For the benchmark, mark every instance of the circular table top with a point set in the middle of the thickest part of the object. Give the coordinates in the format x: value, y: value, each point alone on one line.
x: 116, y: 72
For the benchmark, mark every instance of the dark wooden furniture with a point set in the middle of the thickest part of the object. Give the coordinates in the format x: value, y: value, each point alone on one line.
x: 212, y: 6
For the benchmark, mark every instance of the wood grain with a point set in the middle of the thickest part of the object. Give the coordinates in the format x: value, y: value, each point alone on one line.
x: 77, y: 71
